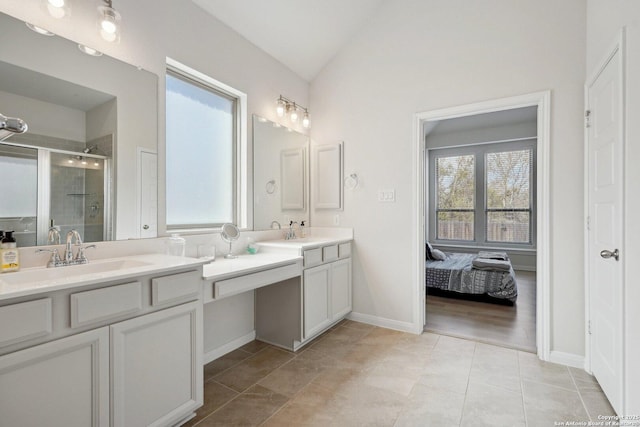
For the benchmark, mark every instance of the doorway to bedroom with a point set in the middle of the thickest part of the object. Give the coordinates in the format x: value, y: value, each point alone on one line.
x: 481, y: 225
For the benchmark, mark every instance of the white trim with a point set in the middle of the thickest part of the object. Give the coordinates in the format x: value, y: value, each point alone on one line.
x: 212, y: 355
x: 242, y: 149
x: 543, y: 101
x: 383, y: 322
x: 567, y: 359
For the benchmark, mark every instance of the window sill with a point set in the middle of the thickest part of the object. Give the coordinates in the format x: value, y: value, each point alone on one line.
x: 527, y: 250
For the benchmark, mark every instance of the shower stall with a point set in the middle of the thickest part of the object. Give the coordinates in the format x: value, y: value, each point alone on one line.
x: 44, y: 187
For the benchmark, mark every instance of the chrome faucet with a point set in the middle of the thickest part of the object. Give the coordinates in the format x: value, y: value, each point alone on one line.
x: 69, y: 259
x: 55, y: 260
x: 53, y: 238
x: 68, y: 253
x: 291, y: 233
x: 276, y: 223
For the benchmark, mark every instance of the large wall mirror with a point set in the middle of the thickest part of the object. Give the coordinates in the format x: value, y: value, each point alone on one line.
x: 280, y: 175
x: 87, y: 160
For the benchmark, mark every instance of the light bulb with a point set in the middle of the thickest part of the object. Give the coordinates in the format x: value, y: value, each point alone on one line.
x: 57, y: 12
x: 70, y: 161
x: 305, y: 120
x: 280, y: 108
x: 109, y: 23
x: 96, y: 164
x: 293, y: 116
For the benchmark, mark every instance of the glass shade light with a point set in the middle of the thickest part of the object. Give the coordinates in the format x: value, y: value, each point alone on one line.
x: 109, y: 23
x: 280, y: 108
x: 293, y: 113
x: 306, y: 122
x: 57, y: 8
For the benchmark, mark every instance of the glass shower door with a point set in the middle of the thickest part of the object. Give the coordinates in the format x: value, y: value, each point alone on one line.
x: 18, y: 193
x: 77, y: 195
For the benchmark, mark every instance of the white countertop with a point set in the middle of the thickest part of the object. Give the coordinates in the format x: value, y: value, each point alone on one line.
x: 303, y: 243
x: 222, y: 268
x: 32, y: 281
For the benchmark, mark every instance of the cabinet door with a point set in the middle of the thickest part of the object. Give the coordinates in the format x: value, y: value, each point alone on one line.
x: 61, y: 383
x: 340, y: 288
x: 316, y: 299
x: 157, y: 367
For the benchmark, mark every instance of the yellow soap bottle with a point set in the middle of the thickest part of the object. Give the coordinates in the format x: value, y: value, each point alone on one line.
x: 9, y: 255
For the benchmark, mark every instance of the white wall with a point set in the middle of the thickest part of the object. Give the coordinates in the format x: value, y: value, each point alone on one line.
x: 53, y: 120
x: 605, y: 18
x: 154, y: 30
x: 421, y: 55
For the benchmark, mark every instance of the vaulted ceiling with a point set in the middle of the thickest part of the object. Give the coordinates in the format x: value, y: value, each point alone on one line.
x: 302, y: 34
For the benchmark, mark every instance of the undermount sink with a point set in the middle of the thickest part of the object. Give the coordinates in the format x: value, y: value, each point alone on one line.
x: 51, y: 274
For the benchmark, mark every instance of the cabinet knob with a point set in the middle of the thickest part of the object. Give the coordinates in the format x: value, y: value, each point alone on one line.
x: 146, y: 227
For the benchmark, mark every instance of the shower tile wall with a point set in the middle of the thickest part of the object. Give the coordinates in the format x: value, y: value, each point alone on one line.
x: 67, y: 198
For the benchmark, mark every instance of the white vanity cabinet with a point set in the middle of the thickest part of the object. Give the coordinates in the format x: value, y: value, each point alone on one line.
x: 155, y: 370
x: 326, y: 287
x: 63, y: 383
x: 120, y: 353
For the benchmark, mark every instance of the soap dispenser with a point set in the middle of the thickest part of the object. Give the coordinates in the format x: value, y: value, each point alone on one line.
x: 9, y: 255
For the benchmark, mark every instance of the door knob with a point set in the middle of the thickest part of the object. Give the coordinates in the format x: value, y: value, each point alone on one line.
x: 608, y: 254
x: 146, y: 227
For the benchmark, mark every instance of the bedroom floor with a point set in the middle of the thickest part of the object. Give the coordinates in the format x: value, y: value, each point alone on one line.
x: 513, y: 327
x: 358, y: 374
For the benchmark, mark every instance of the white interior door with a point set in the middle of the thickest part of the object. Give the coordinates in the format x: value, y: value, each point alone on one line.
x: 148, y: 193
x: 605, y: 234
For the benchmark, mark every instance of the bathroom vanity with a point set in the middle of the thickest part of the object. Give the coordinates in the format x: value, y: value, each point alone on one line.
x: 301, y: 287
x: 115, y: 342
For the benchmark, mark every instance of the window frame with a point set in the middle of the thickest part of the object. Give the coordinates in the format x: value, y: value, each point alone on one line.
x: 239, y: 149
x: 480, y: 151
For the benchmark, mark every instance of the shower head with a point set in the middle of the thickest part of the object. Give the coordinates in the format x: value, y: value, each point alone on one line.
x: 88, y: 150
x: 10, y: 126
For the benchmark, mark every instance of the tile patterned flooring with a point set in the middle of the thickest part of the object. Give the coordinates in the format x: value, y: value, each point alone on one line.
x: 361, y: 375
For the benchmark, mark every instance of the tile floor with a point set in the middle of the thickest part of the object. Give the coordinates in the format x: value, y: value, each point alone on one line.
x: 360, y: 375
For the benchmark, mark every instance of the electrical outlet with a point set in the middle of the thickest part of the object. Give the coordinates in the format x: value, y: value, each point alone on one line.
x: 387, y: 196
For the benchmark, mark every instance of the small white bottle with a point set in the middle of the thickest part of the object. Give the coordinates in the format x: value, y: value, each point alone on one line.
x: 175, y: 245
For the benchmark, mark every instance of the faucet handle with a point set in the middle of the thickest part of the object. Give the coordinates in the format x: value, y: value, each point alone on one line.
x: 80, y: 256
x: 55, y: 260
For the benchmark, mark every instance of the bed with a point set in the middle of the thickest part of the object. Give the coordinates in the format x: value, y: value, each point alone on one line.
x: 457, y: 277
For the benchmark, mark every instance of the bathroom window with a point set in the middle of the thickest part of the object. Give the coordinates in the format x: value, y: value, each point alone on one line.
x: 204, y: 150
x: 483, y: 195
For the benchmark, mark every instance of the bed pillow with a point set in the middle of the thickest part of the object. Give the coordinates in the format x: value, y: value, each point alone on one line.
x: 429, y: 252
x: 438, y: 255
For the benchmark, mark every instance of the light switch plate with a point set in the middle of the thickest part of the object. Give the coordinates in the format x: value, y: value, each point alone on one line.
x: 387, y: 196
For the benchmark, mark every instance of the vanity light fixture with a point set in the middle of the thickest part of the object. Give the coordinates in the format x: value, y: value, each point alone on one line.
x: 109, y: 22
x: 39, y: 30
x: 57, y: 8
x: 287, y: 107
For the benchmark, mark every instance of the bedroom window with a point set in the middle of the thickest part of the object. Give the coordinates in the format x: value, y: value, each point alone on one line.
x: 508, y: 194
x: 455, y: 197
x: 483, y: 195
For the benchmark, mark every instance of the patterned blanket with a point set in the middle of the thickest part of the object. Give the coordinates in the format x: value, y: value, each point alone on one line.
x: 456, y: 274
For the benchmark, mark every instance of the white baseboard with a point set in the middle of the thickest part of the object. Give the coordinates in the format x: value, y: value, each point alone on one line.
x: 568, y: 359
x: 228, y: 347
x: 384, y: 322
